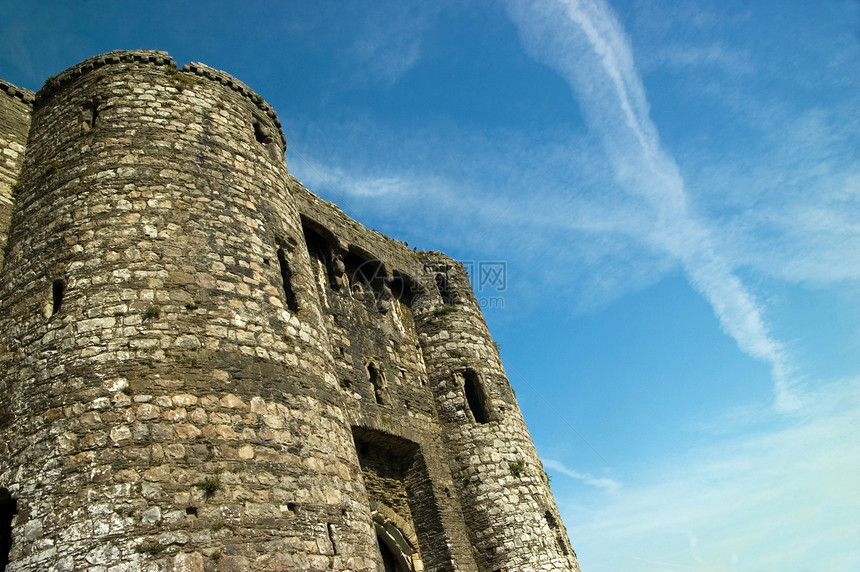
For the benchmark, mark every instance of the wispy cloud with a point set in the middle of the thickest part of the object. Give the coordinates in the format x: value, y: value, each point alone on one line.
x: 727, y: 505
x: 783, y: 203
x: 790, y: 204
x: 714, y: 55
x: 605, y: 483
x: 389, y: 40
x: 585, y: 43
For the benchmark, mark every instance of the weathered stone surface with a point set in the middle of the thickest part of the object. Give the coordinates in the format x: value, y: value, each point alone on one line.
x: 188, y: 562
x: 204, y: 366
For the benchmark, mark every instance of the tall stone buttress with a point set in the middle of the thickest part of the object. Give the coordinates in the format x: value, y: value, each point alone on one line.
x: 204, y: 366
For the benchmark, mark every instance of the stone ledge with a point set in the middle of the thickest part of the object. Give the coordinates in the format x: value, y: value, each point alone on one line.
x: 24, y: 95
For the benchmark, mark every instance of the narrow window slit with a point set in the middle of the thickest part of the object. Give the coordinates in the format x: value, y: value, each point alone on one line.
x: 286, y: 278
x: 89, y: 115
x: 191, y: 511
x: 8, y: 510
x: 59, y: 292
x: 378, y: 382
x: 330, y: 529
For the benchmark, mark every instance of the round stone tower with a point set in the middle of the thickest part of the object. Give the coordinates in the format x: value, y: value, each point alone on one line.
x: 509, y: 510
x: 165, y: 374
x: 205, y: 367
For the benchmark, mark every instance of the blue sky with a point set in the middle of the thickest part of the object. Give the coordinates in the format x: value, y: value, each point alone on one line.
x: 674, y: 189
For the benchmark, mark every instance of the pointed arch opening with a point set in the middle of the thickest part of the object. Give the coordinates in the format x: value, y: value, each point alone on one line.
x: 402, y: 501
x: 396, y: 552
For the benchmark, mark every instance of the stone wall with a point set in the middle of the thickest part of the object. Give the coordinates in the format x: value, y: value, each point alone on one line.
x: 15, y: 108
x: 207, y: 367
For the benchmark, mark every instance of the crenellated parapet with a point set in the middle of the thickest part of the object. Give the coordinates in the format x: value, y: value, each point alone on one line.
x: 21, y: 93
x: 153, y: 58
x: 57, y: 82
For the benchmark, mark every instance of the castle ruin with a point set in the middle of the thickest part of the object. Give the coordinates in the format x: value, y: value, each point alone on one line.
x: 206, y: 367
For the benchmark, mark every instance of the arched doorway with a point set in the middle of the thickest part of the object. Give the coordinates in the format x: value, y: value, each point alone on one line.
x: 398, y: 554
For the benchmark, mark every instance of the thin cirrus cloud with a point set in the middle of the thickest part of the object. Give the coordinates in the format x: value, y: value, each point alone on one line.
x: 584, y: 42
x: 387, y: 48
x: 716, y: 508
x: 805, y: 186
x: 511, y: 195
x: 711, y: 56
x: 605, y: 483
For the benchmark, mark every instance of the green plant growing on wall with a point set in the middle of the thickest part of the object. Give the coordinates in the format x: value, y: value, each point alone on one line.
x: 182, y: 81
x: 444, y: 311
x: 152, y: 313
x: 209, y: 486
x: 49, y: 83
x: 517, y: 468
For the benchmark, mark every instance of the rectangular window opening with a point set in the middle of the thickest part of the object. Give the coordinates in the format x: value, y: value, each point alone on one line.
x: 89, y: 115
x: 405, y: 289
x: 445, y: 291
x: 476, y: 398
x: 320, y: 244
x: 262, y: 133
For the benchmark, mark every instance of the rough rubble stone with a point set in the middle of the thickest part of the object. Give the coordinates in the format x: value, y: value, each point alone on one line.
x: 206, y: 367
